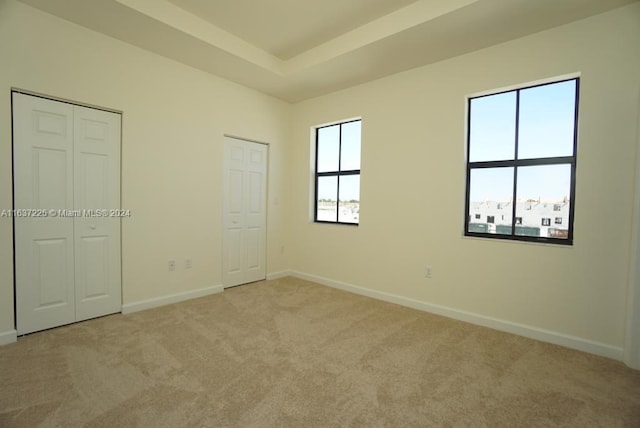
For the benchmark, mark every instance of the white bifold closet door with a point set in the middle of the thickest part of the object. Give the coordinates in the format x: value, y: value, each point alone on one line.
x: 67, y: 232
x: 244, y: 215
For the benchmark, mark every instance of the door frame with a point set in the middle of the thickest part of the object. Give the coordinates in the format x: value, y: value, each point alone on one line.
x: 22, y: 91
x: 631, y: 350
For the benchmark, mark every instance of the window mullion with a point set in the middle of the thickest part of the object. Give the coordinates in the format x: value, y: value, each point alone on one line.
x: 350, y: 172
x: 467, y: 202
x: 572, y: 196
x: 514, y: 199
x: 545, y: 161
x: 315, y: 203
x: 491, y: 164
x: 339, y: 171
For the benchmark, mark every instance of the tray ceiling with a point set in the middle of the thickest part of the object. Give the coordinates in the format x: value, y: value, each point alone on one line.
x: 299, y: 49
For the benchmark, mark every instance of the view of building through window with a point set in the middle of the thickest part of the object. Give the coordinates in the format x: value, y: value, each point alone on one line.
x: 521, y: 163
x: 338, y: 173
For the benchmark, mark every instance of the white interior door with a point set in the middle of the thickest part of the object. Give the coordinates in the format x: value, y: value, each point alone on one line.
x: 43, y: 181
x: 66, y: 160
x: 97, y: 192
x: 244, y: 215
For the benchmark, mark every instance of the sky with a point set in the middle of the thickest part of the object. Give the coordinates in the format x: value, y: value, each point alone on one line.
x: 548, y: 182
x: 546, y: 122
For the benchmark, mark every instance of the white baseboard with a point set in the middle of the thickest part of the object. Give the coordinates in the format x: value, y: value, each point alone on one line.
x: 7, y: 337
x: 278, y: 275
x: 171, y: 298
x: 573, y: 342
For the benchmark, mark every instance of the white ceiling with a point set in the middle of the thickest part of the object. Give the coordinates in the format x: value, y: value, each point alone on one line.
x: 298, y: 49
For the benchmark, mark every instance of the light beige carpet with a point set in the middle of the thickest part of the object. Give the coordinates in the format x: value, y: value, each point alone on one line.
x: 293, y: 353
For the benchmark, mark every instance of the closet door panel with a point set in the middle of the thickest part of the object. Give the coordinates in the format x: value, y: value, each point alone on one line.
x: 43, y: 192
x: 97, y: 197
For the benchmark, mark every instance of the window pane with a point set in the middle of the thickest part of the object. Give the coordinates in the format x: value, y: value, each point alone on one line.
x: 350, y: 158
x: 328, y: 148
x: 546, y: 123
x: 490, y: 198
x: 327, y: 199
x: 492, y: 128
x: 349, y: 199
x: 543, y: 194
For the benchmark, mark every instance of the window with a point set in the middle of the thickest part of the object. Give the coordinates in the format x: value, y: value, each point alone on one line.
x: 337, y: 173
x: 521, y: 150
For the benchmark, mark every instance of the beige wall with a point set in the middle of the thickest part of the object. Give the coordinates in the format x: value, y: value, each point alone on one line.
x: 173, y: 124
x: 412, y: 186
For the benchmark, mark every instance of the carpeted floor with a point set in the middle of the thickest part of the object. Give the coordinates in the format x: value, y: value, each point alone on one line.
x: 290, y: 353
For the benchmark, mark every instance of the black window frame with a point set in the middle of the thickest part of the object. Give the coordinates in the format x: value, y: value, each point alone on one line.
x: 339, y: 173
x: 515, y: 163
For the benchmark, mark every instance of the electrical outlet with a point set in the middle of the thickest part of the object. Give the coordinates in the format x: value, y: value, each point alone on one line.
x: 188, y: 264
x: 428, y: 271
x: 172, y: 265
